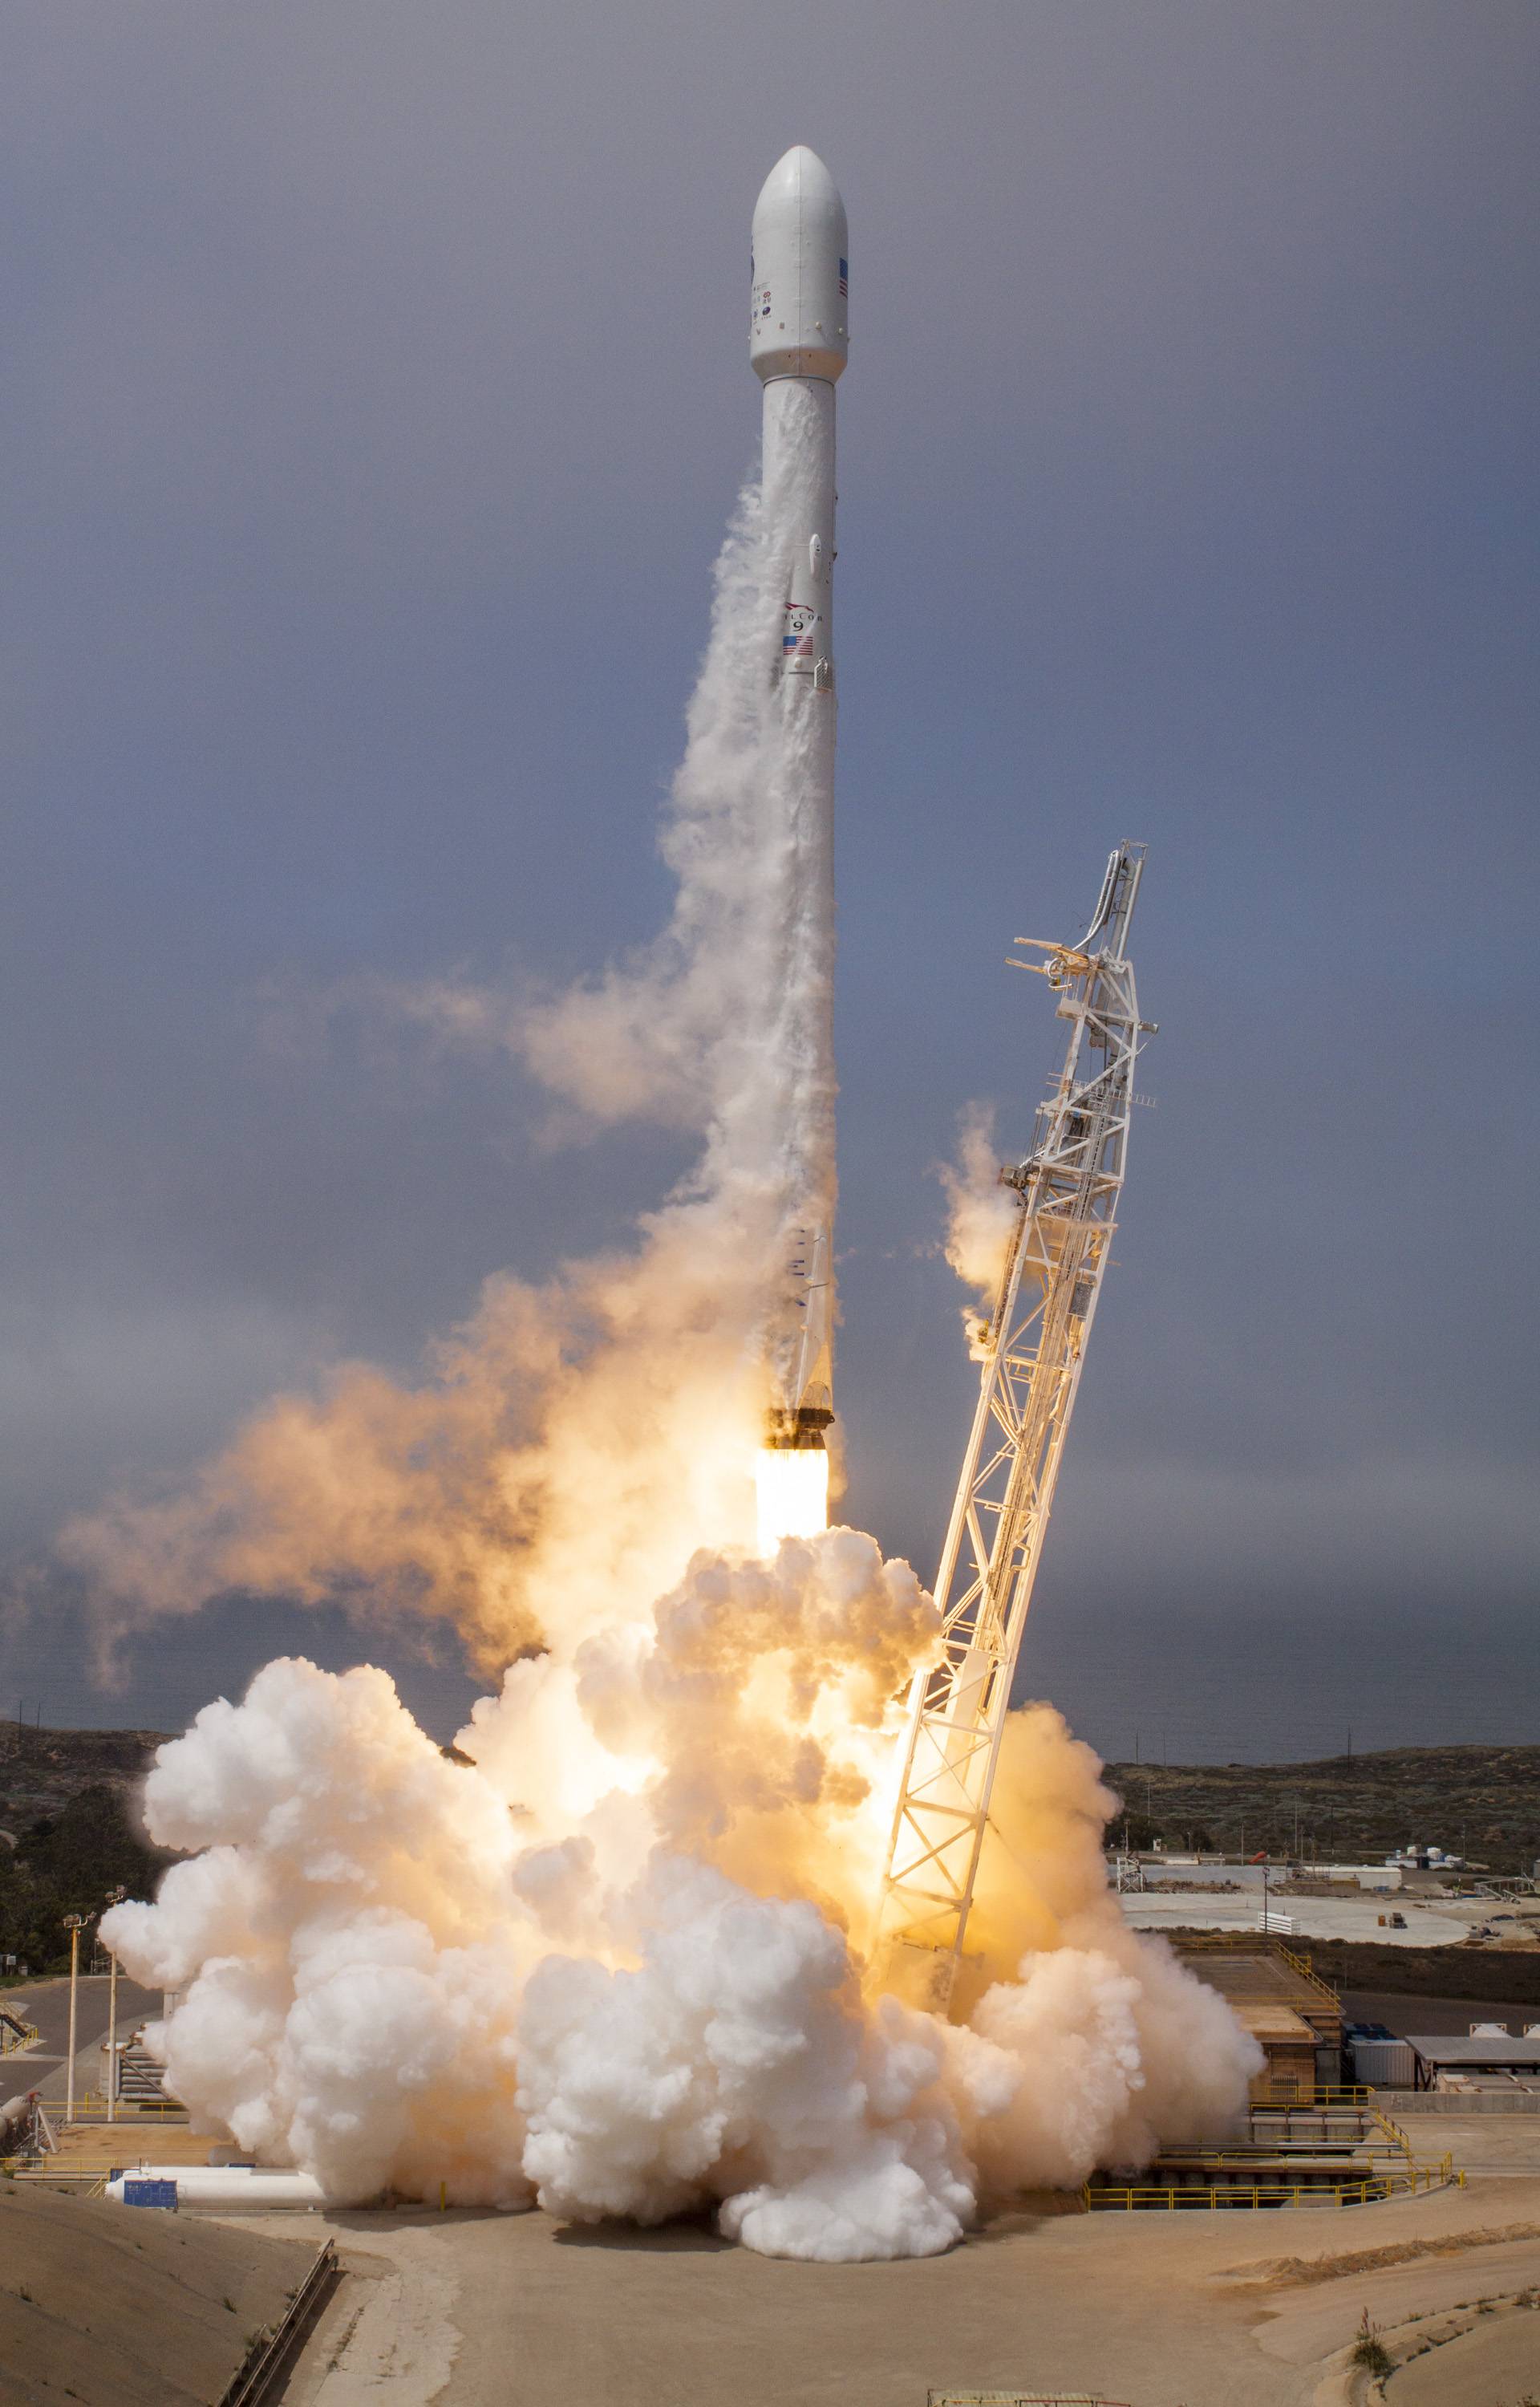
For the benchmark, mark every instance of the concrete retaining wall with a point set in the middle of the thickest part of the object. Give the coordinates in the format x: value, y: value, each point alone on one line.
x: 1397, y: 2103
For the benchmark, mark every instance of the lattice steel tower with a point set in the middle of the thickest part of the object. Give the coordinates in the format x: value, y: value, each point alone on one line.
x: 1033, y: 1351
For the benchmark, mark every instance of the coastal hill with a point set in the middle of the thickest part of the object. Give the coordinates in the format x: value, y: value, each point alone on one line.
x: 1480, y: 1801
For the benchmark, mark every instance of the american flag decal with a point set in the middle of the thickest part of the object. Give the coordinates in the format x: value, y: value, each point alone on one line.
x: 844, y: 280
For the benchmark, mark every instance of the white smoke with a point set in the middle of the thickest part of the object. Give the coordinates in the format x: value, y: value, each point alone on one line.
x: 982, y: 1219
x: 348, y: 1947
x: 617, y: 1959
x: 735, y: 2064
x: 638, y: 1378
x: 398, y: 1975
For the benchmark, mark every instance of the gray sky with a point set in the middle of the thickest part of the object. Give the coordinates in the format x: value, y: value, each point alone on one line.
x: 373, y: 397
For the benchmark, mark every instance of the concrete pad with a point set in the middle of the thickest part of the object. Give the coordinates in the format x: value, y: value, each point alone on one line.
x: 389, y: 2337
x: 1161, y: 2310
x: 1307, y: 1917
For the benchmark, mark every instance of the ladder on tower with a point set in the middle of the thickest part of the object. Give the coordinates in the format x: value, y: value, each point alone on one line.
x: 1033, y: 1352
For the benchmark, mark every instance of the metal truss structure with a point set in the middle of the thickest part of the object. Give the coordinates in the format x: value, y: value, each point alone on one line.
x: 1032, y: 1355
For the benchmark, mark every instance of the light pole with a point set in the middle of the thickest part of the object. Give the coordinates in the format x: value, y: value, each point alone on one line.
x: 115, y: 1897
x: 73, y: 1924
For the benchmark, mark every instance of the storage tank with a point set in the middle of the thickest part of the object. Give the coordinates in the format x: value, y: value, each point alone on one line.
x: 15, y: 2114
x: 257, y: 2188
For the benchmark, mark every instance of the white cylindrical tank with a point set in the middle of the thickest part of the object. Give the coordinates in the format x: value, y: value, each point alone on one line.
x: 800, y: 284
x: 256, y: 2188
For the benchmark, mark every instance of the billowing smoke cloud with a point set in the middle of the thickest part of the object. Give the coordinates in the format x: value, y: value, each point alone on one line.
x: 637, y: 1379
x: 349, y: 1950
x: 735, y: 2063
x: 615, y: 1960
x: 982, y: 1215
x: 399, y: 1972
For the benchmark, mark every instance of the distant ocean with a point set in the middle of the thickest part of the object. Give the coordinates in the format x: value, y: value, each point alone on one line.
x: 1204, y: 1687
x: 1186, y: 1688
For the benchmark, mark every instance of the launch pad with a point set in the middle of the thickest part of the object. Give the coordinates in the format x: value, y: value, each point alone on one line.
x: 1203, y: 2308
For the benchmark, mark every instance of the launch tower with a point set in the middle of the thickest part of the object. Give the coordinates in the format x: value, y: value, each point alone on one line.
x: 1032, y: 1356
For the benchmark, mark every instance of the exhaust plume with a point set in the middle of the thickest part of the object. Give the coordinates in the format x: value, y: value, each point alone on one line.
x: 980, y: 1219
x: 470, y: 1499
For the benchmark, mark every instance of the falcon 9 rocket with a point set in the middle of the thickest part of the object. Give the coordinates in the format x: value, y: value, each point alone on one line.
x: 798, y: 345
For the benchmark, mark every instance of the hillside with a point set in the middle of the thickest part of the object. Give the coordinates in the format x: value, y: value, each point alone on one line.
x: 69, y: 1833
x: 41, y: 1769
x: 1478, y: 1801
x: 139, y: 2309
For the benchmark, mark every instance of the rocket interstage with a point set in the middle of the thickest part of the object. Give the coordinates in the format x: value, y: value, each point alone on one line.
x: 798, y: 340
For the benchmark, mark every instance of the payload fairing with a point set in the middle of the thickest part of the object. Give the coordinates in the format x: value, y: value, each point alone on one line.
x: 799, y: 341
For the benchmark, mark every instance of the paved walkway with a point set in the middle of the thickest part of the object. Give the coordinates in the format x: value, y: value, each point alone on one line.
x: 47, y: 2005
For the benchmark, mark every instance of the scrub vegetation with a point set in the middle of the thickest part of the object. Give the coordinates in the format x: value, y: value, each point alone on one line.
x: 69, y: 1833
x: 1483, y: 1801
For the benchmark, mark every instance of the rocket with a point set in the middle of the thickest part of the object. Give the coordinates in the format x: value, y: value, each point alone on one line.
x: 799, y: 341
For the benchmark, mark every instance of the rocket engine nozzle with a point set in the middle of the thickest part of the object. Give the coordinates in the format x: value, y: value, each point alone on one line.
x: 796, y: 1426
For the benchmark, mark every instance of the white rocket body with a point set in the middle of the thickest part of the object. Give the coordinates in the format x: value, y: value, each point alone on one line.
x: 798, y: 340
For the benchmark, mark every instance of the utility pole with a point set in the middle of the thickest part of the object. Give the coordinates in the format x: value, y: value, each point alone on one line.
x: 73, y: 1923
x: 115, y: 1897
x: 112, y: 2037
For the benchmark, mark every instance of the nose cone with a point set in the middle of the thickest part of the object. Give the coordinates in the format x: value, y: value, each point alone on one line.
x: 798, y: 179
x: 799, y: 308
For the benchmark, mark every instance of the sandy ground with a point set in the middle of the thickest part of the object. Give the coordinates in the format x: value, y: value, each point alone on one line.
x: 1159, y: 2310
x: 1497, y: 2359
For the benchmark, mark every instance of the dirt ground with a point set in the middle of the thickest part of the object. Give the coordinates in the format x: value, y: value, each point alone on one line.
x: 1497, y: 2358
x: 1447, y: 2017
x: 124, y: 2307
x: 1192, y: 2309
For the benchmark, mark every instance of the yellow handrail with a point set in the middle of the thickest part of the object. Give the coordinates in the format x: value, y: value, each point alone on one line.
x: 1313, y: 2095
x: 1351, y: 2194
x: 1370, y: 2190
x: 91, y: 2107
x: 1303, y: 1966
x: 1241, y: 1943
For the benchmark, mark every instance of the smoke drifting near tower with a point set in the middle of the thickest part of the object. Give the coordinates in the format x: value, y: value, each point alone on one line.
x: 617, y: 1961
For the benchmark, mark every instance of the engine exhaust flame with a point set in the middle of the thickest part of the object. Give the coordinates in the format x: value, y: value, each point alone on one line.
x: 791, y: 1485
